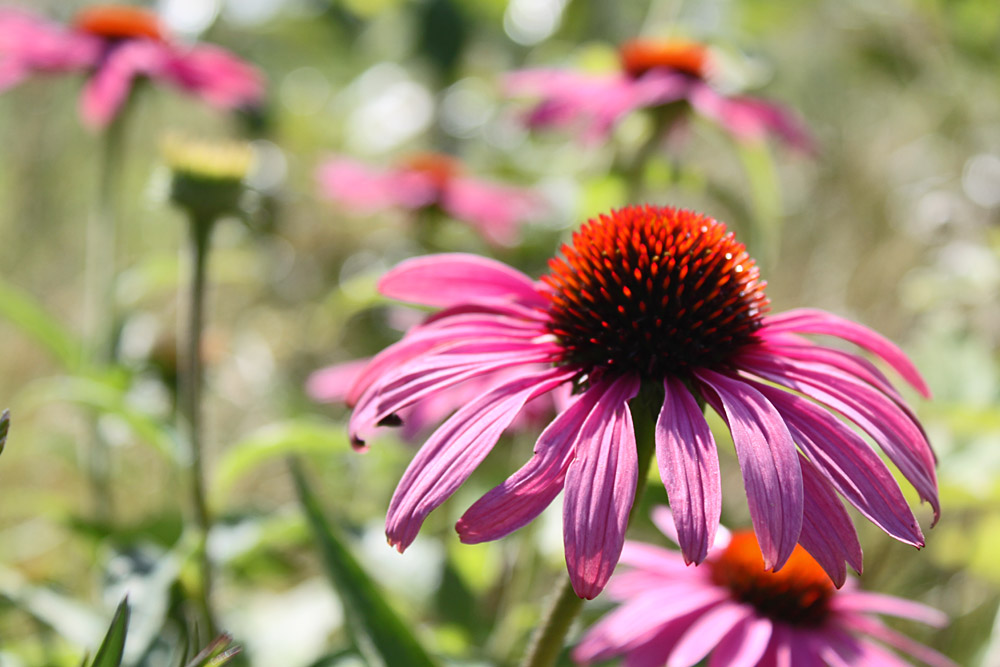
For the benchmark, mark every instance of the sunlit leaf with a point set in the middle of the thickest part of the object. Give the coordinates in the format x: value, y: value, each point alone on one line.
x: 113, y: 647
x: 218, y: 653
x: 28, y: 315
x: 379, y: 633
x: 274, y: 440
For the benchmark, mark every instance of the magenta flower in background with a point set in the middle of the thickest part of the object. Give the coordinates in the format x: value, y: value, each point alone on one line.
x: 664, y: 300
x: 733, y: 611
x: 426, y: 180
x: 114, y: 46
x: 653, y: 73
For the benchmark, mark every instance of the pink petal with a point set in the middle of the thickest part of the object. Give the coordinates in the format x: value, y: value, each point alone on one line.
x: 364, y: 189
x: 495, y: 211
x: 527, y: 492
x: 216, y: 75
x: 111, y: 85
x: 750, y: 118
x: 876, y: 629
x: 896, y: 433
x: 703, y: 636
x: 827, y: 531
x: 768, y: 462
x: 689, y: 467
x: 849, y: 463
x: 454, y: 450
x: 29, y: 43
x: 876, y: 603
x: 744, y: 645
x: 808, y: 320
x: 450, y: 279
x: 600, y: 488
x: 332, y: 384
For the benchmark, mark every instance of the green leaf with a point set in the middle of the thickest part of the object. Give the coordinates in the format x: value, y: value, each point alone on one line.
x: 379, y: 633
x: 106, y: 398
x: 280, y: 439
x: 28, y: 315
x: 216, y: 654
x: 113, y: 647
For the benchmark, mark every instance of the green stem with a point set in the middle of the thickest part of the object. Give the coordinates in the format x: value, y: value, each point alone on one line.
x: 548, y: 641
x: 635, y: 172
x: 190, y: 408
x: 99, y: 310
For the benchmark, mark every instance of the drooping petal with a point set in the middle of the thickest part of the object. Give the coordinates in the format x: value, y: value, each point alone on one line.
x: 333, y: 383
x: 689, y: 466
x: 494, y: 210
x: 215, y: 75
x: 456, y: 448
x: 600, y: 488
x: 363, y: 189
x: 849, y: 463
x: 768, y: 462
x: 878, y: 630
x: 827, y: 531
x: 744, y: 645
x: 865, y: 602
x: 750, y: 118
x: 809, y: 320
x: 450, y: 279
x: 110, y: 86
x: 705, y: 633
x: 530, y: 490
x: 895, y: 431
x: 29, y: 43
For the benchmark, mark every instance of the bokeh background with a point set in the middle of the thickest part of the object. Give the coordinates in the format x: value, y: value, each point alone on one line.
x: 895, y: 222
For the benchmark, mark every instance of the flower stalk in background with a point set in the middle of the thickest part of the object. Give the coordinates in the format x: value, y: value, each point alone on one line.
x: 427, y: 180
x: 207, y: 184
x: 653, y: 74
x: 115, y: 46
x: 668, y: 301
x: 4, y: 428
x: 735, y: 612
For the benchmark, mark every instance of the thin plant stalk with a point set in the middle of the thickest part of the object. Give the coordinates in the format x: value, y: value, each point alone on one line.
x: 99, y: 310
x: 548, y: 641
x: 190, y: 409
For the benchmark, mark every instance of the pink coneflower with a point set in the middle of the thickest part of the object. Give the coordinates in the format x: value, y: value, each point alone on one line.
x: 664, y: 300
x: 734, y: 611
x: 653, y: 74
x: 114, y: 46
x: 427, y: 180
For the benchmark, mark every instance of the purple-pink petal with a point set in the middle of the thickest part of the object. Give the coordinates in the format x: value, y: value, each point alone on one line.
x: 215, y: 75
x: 364, y: 189
x: 827, y: 532
x: 878, y: 630
x: 744, y: 645
x: 864, y: 602
x: 849, y: 463
x: 808, y: 320
x: 456, y: 448
x: 705, y: 633
x: 449, y: 279
x: 531, y: 489
x: 333, y: 383
x: 600, y: 488
x: 767, y: 460
x: 689, y: 466
x: 109, y: 88
x: 495, y: 211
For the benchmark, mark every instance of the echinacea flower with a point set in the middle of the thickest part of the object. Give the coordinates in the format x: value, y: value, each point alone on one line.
x: 653, y: 74
x: 426, y: 180
x: 114, y: 46
x: 735, y: 612
x: 664, y: 300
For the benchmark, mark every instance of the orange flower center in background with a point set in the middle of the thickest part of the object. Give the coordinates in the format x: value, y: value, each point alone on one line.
x: 439, y: 168
x: 638, y: 56
x: 654, y: 291
x: 120, y: 22
x: 799, y: 593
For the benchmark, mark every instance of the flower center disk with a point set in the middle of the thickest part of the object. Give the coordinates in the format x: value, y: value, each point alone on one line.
x: 639, y: 56
x: 798, y: 594
x: 119, y: 22
x: 654, y: 291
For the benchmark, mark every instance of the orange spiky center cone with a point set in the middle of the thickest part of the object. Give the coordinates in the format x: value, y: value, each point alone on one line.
x: 639, y: 56
x: 117, y: 22
x: 799, y: 593
x: 653, y: 291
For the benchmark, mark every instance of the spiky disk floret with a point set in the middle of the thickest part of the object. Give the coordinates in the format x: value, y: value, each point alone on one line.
x: 655, y: 291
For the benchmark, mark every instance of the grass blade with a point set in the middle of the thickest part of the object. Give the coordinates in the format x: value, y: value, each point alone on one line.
x: 379, y: 633
x: 113, y: 647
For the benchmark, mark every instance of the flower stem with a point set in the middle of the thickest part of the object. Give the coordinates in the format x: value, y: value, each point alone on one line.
x: 190, y: 407
x: 547, y: 643
x: 99, y: 310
